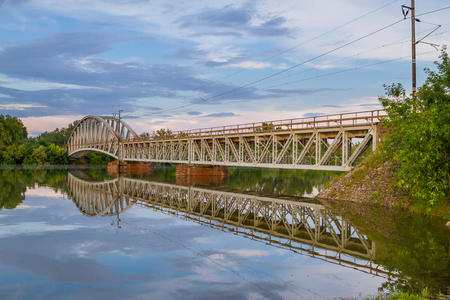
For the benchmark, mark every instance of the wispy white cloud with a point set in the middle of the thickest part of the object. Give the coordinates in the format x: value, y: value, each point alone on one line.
x: 251, y: 65
x: 35, y: 85
x: 20, y: 106
x: 33, y: 228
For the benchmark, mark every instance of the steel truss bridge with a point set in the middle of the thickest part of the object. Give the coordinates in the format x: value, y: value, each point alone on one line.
x: 331, y: 142
x: 302, y: 227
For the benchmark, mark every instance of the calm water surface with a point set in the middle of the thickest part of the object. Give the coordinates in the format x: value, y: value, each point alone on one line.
x: 84, y: 234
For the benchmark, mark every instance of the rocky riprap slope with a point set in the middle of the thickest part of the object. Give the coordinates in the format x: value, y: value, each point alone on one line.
x: 371, y: 182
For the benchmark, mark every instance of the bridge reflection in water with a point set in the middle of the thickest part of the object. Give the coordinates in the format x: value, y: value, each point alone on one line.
x: 303, y: 227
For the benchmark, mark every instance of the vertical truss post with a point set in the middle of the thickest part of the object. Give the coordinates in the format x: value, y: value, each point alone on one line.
x: 344, y: 147
x: 318, y: 145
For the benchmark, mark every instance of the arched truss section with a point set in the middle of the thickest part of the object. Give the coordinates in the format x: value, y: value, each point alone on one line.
x: 100, y: 134
x: 95, y: 199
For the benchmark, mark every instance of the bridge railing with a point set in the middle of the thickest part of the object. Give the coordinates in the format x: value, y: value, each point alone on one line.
x: 343, y: 119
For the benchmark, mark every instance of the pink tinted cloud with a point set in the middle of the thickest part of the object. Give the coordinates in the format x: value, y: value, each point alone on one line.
x: 48, y: 123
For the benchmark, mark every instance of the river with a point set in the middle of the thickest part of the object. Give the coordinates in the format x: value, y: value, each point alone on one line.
x: 81, y: 233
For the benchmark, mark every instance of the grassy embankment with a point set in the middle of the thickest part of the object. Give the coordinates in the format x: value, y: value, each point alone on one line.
x: 411, y: 166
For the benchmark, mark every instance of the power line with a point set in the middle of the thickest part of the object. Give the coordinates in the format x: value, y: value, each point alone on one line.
x: 346, y: 70
x: 369, y: 50
x: 350, y: 56
x: 433, y: 11
x: 317, y: 36
x: 289, y: 68
x: 297, y: 65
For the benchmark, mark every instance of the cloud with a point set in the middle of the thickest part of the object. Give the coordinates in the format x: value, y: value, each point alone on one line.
x: 227, y: 17
x: 312, y: 114
x: 237, y: 18
x: 220, y: 115
x: 43, y: 191
x: 194, y: 113
x: 19, y: 106
x: 251, y: 65
x: 310, y: 91
x: 272, y: 28
x: 35, y: 84
x: 33, y: 228
x: 70, y: 75
x: 48, y: 123
x: 12, y: 2
x: 248, y: 252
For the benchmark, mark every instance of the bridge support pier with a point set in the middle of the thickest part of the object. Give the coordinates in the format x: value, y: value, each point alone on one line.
x: 125, y: 168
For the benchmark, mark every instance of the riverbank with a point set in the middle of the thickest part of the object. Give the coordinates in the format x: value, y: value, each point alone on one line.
x: 373, y: 182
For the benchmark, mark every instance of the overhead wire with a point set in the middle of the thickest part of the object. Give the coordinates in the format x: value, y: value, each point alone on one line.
x: 365, y: 51
x: 286, y: 69
x: 433, y: 11
x: 293, y: 48
x: 203, y: 100
x: 348, y: 70
x: 316, y: 37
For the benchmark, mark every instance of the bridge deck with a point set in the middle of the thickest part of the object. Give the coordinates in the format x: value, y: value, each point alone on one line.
x: 331, y: 142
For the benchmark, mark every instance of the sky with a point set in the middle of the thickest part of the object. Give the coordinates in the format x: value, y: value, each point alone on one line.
x: 195, y: 64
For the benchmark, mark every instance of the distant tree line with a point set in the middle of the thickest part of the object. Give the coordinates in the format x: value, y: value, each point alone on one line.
x: 16, y: 148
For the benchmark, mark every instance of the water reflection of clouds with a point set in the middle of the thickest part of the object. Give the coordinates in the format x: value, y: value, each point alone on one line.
x: 26, y: 206
x: 43, y: 191
x: 154, y: 255
x: 32, y: 228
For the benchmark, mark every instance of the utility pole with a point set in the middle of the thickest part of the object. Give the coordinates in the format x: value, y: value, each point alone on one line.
x: 413, y: 46
x: 405, y: 11
x: 119, y: 142
x: 119, y: 151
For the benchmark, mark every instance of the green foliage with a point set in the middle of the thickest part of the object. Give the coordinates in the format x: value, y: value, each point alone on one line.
x: 405, y: 296
x: 12, y: 189
x: 38, y: 156
x: 56, y: 155
x: 412, y: 246
x: 11, y: 131
x: 97, y: 158
x: 162, y: 133
x: 16, y: 148
x: 418, y: 143
x: 58, y: 136
x: 14, y: 182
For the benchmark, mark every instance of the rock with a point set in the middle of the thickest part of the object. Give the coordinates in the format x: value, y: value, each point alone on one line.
x: 365, y: 184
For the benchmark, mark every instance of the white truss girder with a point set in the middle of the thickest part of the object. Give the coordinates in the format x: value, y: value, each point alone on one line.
x: 320, y: 148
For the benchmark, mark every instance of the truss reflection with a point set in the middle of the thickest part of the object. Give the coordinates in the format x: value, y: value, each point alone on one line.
x: 302, y: 227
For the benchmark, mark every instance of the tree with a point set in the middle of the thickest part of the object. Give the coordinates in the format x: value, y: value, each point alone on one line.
x: 12, y: 130
x: 56, y: 155
x: 418, y: 143
x: 37, y: 157
x: 58, y: 136
x: 163, y: 133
